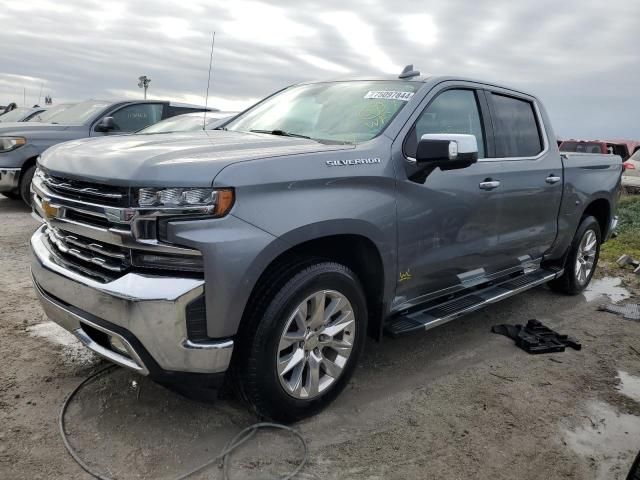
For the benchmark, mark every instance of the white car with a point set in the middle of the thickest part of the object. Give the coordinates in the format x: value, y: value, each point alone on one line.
x: 189, y: 122
x: 631, y: 173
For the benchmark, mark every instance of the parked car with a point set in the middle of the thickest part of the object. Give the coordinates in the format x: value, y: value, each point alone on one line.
x: 584, y: 146
x: 623, y: 148
x: 631, y: 174
x: 269, y: 248
x: 20, y: 114
x: 189, y: 122
x: 46, y: 116
x: 21, y: 143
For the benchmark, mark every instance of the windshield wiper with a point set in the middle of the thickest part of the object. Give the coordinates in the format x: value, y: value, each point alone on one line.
x: 282, y: 133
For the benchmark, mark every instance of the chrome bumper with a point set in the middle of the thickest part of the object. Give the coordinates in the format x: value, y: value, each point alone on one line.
x: 9, y: 178
x: 145, y: 313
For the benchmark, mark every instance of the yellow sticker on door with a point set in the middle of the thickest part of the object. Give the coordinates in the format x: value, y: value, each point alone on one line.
x: 404, y: 276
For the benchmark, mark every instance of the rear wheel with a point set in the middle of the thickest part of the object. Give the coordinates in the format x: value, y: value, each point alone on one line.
x: 25, y: 184
x: 582, y: 259
x: 305, y: 344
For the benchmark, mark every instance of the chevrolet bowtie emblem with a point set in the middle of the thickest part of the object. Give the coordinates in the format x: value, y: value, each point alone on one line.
x: 50, y: 211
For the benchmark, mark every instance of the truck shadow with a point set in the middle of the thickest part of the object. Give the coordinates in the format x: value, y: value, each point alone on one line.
x: 157, y: 432
x: 9, y: 205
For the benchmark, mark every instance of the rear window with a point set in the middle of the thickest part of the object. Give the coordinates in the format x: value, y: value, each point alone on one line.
x: 515, y: 127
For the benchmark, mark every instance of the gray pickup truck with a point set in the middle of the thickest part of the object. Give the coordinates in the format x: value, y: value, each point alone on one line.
x: 22, y: 142
x: 265, y: 251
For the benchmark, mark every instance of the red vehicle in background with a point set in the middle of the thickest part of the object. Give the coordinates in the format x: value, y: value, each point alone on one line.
x: 624, y: 148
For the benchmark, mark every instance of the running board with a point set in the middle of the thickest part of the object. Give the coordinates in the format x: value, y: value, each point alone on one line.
x: 452, y: 309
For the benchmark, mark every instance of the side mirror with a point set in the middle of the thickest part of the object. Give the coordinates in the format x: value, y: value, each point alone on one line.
x: 105, y: 125
x: 447, y: 150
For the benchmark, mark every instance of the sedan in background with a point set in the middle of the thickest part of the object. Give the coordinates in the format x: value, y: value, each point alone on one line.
x: 631, y: 172
x: 20, y: 114
x: 189, y: 122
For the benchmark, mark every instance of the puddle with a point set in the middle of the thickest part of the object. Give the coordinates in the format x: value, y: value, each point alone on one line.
x: 629, y: 386
x: 609, y: 287
x: 73, y: 352
x: 609, y: 439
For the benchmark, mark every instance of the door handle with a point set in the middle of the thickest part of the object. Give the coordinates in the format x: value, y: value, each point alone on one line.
x: 552, y: 179
x: 489, y: 184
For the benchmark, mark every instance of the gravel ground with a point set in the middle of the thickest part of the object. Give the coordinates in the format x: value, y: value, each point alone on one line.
x: 455, y: 403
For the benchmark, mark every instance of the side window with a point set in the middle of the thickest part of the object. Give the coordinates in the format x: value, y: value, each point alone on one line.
x: 135, y: 117
x: 453, y: 111
x: 515, y: 128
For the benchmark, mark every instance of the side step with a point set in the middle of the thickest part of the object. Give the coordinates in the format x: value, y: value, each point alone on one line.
x: 452, y: 309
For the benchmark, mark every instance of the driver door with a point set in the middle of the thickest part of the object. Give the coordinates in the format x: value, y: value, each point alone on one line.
x: 448, y: 222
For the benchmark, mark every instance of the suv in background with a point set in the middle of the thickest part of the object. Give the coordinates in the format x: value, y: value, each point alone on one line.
x: 22, y: 143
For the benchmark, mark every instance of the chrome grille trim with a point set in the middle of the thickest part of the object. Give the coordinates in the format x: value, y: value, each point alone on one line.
x: 123, y: 234
x: 68, y: 186
x: 77, y: 250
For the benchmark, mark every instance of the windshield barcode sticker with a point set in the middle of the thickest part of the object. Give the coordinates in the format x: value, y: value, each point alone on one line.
x: 389, y: 95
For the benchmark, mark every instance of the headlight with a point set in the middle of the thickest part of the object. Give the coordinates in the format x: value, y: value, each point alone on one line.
x: 11, y: 143
x: 220, y: 201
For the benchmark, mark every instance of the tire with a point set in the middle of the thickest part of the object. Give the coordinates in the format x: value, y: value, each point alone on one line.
x: 575, y: 279
x: 634, y: 473
x: 284, y: 308
x: 12, y: 195
x: 25, y: 184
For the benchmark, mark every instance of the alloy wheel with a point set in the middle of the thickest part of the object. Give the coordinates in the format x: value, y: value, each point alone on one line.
x: 315, y: 344
x: 585, y: 259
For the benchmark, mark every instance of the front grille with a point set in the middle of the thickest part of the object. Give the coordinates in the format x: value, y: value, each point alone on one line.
x: 86, y: 191
x: 89, y: 252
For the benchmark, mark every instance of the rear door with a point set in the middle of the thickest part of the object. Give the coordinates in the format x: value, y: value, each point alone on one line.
x: 531, y: 177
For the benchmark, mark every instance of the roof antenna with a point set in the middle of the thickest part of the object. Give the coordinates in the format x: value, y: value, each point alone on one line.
x: 206, y: 100
x: 409, y: 72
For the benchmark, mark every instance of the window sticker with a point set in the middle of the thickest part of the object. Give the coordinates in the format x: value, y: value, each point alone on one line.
x: 389, y: 95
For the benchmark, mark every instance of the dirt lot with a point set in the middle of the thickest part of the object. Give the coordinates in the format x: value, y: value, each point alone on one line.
x: 456, y: 403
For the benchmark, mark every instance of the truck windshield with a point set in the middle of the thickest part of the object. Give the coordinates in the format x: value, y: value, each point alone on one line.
x: 79, y: 113
x: 351, y: 112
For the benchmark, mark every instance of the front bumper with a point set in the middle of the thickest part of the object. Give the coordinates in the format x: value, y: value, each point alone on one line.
x: 9, y: 179
x: 145, y: 314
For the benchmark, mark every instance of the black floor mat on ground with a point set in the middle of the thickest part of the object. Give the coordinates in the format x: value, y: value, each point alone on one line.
x: 535, y: 338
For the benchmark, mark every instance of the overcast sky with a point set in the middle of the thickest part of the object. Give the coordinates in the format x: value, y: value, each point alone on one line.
x: 582, y: 58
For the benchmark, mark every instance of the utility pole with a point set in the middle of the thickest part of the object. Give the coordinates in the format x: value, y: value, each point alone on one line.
x: 143, y: 82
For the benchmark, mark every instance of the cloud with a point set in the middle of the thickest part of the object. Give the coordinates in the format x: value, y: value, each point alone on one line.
x: 583, y: 64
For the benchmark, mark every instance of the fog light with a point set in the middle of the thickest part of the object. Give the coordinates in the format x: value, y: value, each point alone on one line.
x: 191, y: 263
x: 118, y: 346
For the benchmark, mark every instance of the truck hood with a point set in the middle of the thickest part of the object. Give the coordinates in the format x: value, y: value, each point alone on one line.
x: 169, y: 159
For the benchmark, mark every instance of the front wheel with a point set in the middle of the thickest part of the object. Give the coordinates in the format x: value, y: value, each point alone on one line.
x: 25, y: 184
x: 582, y: 259
x: 306, y: 342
